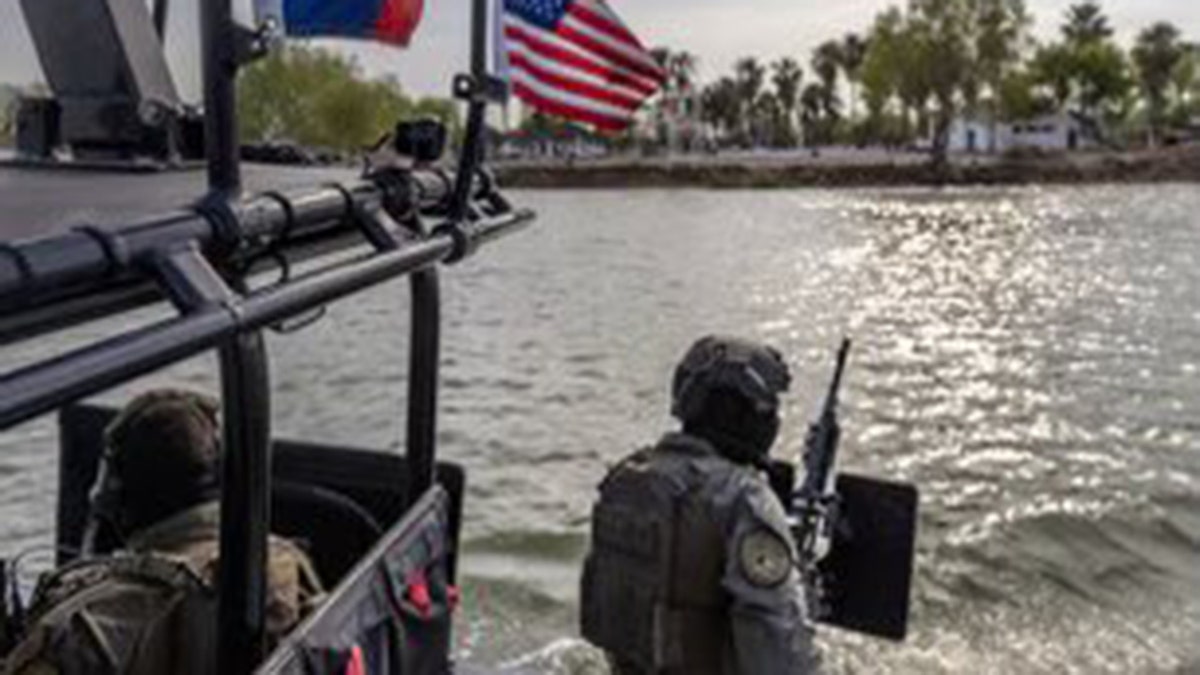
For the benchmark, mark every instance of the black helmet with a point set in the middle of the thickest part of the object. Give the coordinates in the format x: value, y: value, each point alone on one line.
x: 162, y: 455
x: 727, y: 391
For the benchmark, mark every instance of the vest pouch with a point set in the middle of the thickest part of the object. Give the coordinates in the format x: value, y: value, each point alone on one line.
x: 690, y: 640
x: 626, y: 574
x: 422, y: 605
x: 619, y: 609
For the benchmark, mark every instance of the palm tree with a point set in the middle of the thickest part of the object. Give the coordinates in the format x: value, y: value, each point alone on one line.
x: 852, y: 54
x: 943, y: 26
x: 827, y: 63
x: 1053, y: 67
x: 811, y: 103
x: 769, y: 115
x: 1001, y: 30
x: 1086, y: 23
x: 1101, y: 73
x: 720, y: 106
x: 879, y: 75
x: 786, y: 76
x: 749, y: 77
x: 1183, y: 78
x: 1156, y: 55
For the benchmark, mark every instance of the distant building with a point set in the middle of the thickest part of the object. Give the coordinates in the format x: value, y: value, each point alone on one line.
x: 569, y: 141
x: 1065, y: 131
x: 676, y: 118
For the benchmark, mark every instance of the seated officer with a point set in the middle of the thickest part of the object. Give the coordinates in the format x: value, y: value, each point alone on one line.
x: 151, y: 608
x: 692, y: 568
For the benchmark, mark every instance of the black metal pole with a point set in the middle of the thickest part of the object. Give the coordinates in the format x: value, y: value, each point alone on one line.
x: 34, y: 390
x: 472, y: 151
x: 424, y: 353
x: 220, y: 96
x: 479, y: 37
x: 194, y: 287
x: 245, y: 503
x: 161, y: 8
x: 245, y: 387
x: 28, y: 392
x: 80, y: 257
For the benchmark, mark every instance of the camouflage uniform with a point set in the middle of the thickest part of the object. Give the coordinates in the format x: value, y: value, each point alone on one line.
x: 193, y: 537
x: 151, y: 608
x: 692, y: 568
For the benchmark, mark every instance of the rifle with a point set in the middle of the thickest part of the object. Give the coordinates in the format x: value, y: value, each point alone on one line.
x: 855, y: 535
x: 820, y: 447
x: 814, y: 506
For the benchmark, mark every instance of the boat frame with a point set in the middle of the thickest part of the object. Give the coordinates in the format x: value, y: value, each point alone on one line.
x: 197, y: 259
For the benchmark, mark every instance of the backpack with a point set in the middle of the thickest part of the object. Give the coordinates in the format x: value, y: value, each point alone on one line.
x: 123, y: 614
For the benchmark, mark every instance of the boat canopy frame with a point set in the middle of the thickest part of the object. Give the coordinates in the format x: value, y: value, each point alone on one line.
x: 197, y: 259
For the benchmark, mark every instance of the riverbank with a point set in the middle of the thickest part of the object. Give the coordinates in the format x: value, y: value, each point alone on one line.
x: 854, y: 169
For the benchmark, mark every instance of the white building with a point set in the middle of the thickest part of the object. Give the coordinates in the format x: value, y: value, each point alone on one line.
x: 1063, y: 131
x: 675, y: 118
x: 568, y: 142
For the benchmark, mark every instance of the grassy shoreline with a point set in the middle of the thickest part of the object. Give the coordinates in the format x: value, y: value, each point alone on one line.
x: 1170, y: 165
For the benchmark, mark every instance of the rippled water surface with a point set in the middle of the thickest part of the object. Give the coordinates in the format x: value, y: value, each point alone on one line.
x: 1028, y: 356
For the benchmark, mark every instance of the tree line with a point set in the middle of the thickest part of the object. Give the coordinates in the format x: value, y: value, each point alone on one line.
x: 311, y: 97
x: 317, y: 98
x: 8, y: 99
x: 917, y: 69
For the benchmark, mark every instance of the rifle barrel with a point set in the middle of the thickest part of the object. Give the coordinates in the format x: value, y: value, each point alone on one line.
x: 834, y: 386
x: 821, y: 452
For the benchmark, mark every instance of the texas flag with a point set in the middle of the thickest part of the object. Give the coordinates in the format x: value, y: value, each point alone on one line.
x: 391, y: 21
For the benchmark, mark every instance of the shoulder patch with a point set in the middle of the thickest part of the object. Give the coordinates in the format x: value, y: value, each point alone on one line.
x: 764, y: 558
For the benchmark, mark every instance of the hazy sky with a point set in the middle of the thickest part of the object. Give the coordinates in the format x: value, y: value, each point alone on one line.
x: 718, y: 31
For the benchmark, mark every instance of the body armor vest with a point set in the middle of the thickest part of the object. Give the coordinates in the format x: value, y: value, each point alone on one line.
x: 652, y: 595
x: 128, y: 614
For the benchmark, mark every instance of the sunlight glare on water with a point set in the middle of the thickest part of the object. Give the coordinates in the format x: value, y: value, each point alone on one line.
x: 1027, y: 356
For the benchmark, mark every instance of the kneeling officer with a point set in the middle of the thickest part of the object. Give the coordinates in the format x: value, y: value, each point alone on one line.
x: 152, y: 607
x: 692, y: 566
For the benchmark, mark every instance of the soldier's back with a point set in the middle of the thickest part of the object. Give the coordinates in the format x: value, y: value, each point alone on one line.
x: 132, y: 614
x: 691, y: 568
x: 152, y: 608
x: 652, y: 589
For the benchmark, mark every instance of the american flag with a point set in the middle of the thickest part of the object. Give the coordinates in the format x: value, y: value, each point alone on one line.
x: 577, y: 59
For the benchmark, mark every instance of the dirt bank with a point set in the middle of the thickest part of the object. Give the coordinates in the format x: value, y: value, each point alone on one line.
x: 1173, y: 165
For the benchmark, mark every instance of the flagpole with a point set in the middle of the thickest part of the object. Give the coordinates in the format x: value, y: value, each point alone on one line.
x: 476, y: 96
x: 500, y: 58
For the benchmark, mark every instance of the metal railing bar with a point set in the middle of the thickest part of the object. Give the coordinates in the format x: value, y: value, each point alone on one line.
x: 29, y: 392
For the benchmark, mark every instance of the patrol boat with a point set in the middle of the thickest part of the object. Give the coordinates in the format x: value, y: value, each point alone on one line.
x: 383, y: 528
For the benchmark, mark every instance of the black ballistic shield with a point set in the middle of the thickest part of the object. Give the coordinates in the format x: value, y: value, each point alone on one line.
x: 867, y: 574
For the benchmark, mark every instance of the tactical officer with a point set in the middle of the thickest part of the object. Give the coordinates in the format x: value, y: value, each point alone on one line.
x: 692, y: 566
x: 152, y: 606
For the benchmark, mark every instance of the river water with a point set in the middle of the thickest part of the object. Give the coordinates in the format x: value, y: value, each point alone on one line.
x: 1027, y: 356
